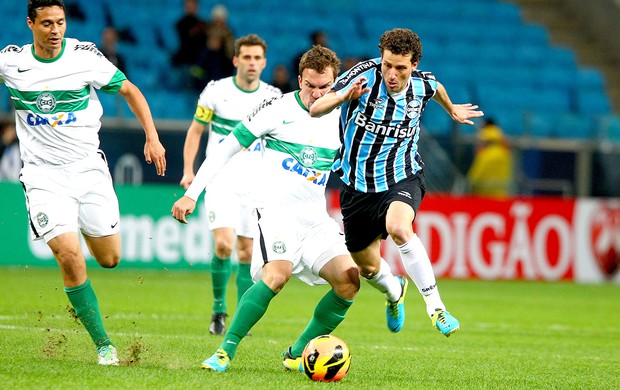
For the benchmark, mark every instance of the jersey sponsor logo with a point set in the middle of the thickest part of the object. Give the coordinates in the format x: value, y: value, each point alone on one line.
x: 279, y: 247
x: 377, y: 103
x: 397, y: 131
x: 315, y: 177
x: 413, y: 109
x: 56, y: 120
x: 88, y: 47
x: 46, y: 102
x: 42, y: 219
x: 308, y: 156
x: 13, y: 48
x: 355, y: 71
x: 265, y: 103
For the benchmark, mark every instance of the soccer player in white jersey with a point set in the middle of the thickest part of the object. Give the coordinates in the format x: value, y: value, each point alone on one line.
x: 295, y: 235
x: 65, y: 176
x: 222, y: 104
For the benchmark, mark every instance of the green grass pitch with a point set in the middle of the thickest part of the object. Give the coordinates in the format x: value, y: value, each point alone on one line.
x: 514, y: 335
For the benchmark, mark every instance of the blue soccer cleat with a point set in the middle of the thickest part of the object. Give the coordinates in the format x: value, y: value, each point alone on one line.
x: 445, y: 322
x: 219, y: 361
x: 395, y: 311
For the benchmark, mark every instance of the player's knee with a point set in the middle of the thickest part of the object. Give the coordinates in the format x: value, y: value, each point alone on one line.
x: 275, y: 280
x: 66, y: 255
x: 245, y: 256
x: 368, y: 271
x: 223, y: 249
x: 109, y: 260
x: 400, y: 233
x: 348, y: 286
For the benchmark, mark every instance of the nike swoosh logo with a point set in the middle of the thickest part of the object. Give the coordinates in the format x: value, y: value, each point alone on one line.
x: 230, y: 342
x: 23, y: 70
x: 114, y: 225
x: 287, y: 122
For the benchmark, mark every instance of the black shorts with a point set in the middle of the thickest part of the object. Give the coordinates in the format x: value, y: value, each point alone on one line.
x: 363, y: 214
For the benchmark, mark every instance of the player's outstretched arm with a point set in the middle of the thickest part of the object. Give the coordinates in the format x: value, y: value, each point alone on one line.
x: 153, y: 149
x: 190, y: 150
x: 461, y: 113
x: 208, y: 170
x: 331, y: 100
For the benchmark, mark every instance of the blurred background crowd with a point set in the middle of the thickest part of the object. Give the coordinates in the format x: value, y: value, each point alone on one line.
x: 541, y: 70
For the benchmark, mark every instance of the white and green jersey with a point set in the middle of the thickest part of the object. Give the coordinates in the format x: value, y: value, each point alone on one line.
x: 57, y: 112
x: 298, y: 152
x: 224, y: 104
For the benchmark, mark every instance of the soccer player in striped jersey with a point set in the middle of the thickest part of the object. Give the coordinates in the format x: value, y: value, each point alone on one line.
x: 65, y: 176
x: 295, y: 235
x: 382, y: 100
x: 229, y: 203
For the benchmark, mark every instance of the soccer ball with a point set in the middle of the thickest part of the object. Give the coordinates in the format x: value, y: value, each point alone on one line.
x: 326, y: 359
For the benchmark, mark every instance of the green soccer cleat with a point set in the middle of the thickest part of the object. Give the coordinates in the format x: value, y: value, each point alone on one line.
x: 107, y: 355
x: 445, y: 322
x: 219, y: 361
x: 395, y: 311
x: 292, y: 363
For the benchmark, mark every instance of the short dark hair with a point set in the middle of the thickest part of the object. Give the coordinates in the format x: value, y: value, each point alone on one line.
x: 250, y: 40
x: 402, y: 41
x: 34, y: 5
x: 319, y: 58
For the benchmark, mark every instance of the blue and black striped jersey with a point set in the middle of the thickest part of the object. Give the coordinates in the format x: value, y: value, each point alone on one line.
x: 379, y: 132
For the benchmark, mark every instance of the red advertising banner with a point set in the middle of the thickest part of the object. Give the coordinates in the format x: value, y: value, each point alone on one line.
x: 519, y: 238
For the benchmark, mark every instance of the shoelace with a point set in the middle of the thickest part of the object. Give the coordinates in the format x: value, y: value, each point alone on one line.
x: 393, y: 307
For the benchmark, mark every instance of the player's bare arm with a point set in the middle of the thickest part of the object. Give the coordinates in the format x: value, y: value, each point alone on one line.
x: 190, y: 150
x: 461, y: 113
x: 154, y: 151
x: 331, y: 100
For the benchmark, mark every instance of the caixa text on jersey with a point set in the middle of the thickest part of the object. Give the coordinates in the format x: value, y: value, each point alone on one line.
x: 59, y: 119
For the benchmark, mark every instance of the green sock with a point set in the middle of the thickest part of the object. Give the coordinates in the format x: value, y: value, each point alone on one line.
x: 244, y: 280
x: 328, y: 314
x: 86, y: 305
x: 251, y: 308
x: 220, y: 273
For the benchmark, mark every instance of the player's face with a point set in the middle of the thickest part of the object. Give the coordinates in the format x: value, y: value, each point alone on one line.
x: 250, y: 62
x: 396, y: 70
x: 313, y: 85
x: 48, y: 31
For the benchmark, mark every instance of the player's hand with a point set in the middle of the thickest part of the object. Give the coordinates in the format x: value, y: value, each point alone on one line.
x: 154, y: 152
x: 182, y: 208
x: 356, y: 90
x: 186, y: 180
x: 461, y: 113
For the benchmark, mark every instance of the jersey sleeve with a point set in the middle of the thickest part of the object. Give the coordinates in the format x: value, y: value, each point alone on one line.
x: 349, y: 77
x: 206, y: 104
x: 104, y: 75
x: 429, y: 79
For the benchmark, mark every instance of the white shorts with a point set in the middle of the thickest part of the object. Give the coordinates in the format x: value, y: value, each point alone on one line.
x: 75, y: 196
x: 229, y: 201
x: 309, y: 245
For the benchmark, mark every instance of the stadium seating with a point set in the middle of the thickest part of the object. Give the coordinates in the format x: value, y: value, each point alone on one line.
x: 481, y: 50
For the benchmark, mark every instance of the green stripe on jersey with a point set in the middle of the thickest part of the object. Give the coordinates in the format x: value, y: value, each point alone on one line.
x: 115, y: 84
x: 243, y: 135
x: 313, y: 157
x: 223, y: 126
x: 50, y: 102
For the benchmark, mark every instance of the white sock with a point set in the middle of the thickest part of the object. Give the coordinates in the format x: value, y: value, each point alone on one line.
x: 386, y: 282
x: 418, y: 266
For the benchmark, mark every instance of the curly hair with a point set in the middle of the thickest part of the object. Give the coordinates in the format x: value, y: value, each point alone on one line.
x: 250, y: 40
x: 319, y: 58
x: 402, y: 41
x: 34, y: 5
